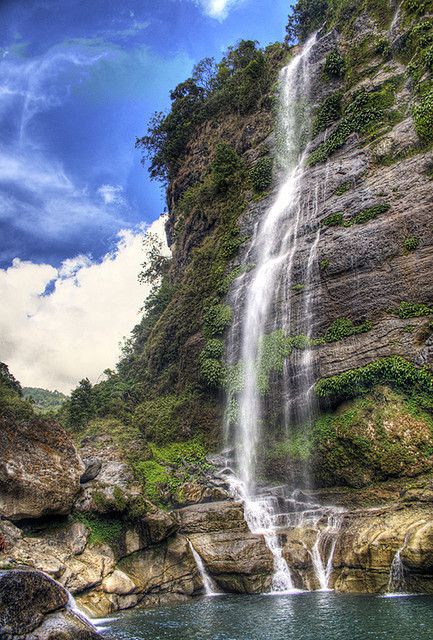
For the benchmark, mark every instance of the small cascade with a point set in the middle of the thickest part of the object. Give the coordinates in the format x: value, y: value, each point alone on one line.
x: 260, y: 514
x: 210, y: 588
x: 397, y: 575
x: 322, y: 553
x: 73, y: 608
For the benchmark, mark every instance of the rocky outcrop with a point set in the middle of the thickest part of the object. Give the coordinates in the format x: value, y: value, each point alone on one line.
x: 39, y: 469
x: 238, y: 560
x: 35, y: 607
x: 363, y: 543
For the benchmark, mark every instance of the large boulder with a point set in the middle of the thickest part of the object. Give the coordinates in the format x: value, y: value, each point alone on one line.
x: 238, y: 560
x: 35, y: 607
x: 39, y: 469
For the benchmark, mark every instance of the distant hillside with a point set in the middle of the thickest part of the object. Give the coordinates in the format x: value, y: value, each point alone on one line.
x: 44, y: 399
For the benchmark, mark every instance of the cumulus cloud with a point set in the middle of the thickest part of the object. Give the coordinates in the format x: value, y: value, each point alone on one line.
x: 218, y: 9
x: 59, y: 325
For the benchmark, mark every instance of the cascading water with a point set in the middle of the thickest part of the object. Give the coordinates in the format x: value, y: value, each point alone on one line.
x: 274, y: 254
x: 208, y: 584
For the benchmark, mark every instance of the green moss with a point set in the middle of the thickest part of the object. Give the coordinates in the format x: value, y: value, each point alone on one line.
x: 411, y: 243
x: 324, y: 264
x: 261, y: 175
x: 103, y: 530
x: 344, y: 327
x: 166, y: 418
x: 334, y: 220
x: 337, y: 219
x: 343, y: 188
x: 394, y: 370
x: 171, y: 466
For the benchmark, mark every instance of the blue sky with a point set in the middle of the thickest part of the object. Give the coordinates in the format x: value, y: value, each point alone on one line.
x: 79, y: 80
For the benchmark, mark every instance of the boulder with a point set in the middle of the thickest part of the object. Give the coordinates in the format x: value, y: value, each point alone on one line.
x: 238, y: 560
x: 39, y: 469
x: 35, y: 607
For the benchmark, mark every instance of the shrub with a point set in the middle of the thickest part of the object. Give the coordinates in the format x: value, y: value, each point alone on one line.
x: 334, y: 64
x: 394, y: 370
x: 103, y: 530
x: 212, y: 372
x: 164, y: 418
x: 328, y: 112
x: 261, y: 175
x: 334, y: 220
x: 411, y: 243
x: 216, y: 319
x: 344, y: 327
x: 225, y: 165
x: 413, y: 310
x: 423, y: 117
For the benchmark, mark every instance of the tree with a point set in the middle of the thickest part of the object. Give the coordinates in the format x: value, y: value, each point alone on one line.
x: 306, y: 17
x: 8, y: 380
x: 81, y: 405
x: 157, y: 262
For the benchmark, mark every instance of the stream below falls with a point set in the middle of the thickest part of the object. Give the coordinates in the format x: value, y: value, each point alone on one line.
x: 301, y: 616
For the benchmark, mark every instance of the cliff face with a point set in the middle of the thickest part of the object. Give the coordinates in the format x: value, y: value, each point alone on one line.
x: 367, y: 190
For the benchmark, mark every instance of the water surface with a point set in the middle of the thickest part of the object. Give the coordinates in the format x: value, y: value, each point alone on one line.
x: 304, y: 616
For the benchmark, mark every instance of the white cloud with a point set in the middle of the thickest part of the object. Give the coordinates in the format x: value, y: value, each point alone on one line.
x: 218, y: 9
x: 111, y: 194
x: 54, y: 340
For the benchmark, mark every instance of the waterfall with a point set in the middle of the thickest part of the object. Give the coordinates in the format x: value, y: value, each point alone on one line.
x: 273, y: 251
x: 208, y: 584
x: 325, y: 544
x: 397, y: 575
x: 73, y: 608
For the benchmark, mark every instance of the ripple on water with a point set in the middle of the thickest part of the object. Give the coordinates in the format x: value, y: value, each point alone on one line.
x: 301, y: 616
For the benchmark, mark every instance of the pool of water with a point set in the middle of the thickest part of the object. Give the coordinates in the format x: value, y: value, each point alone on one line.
x: 303, y: 616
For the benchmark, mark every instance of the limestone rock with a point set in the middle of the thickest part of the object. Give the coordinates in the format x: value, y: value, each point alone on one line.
x: 39, y: 469
x: 35, y: 607
x: 237, y: 559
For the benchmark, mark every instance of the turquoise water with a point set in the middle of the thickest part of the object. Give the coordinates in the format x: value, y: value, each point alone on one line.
x: 306, y: 616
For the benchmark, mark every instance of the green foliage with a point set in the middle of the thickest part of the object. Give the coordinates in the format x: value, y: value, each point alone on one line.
x: 334, y: 220
x: 43, y: 399
x: 306, y: 17
x: 212, y: 372
x: 261, y: 175
x: 423, y: 116
x: 297, y: 446
x: 334, y: 64
x: 12, y: 405
x: 365, y: 112
x: 234, y: 85
x: 165, y: 418
x: 413, y: 310
x: 156, y: 479
x: 103, y: 530
x: 80, y: 408
x: 343, y: 188
x: 328, y: 112
x: 324, y: 264
x: 394, y: 370
x: 216, y: 319
x: 370, y: 213
x: 171, y: 466
x: 344, y: 327
x: 383, y: 48
x: 225, y: 165
x: 411, y: 243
